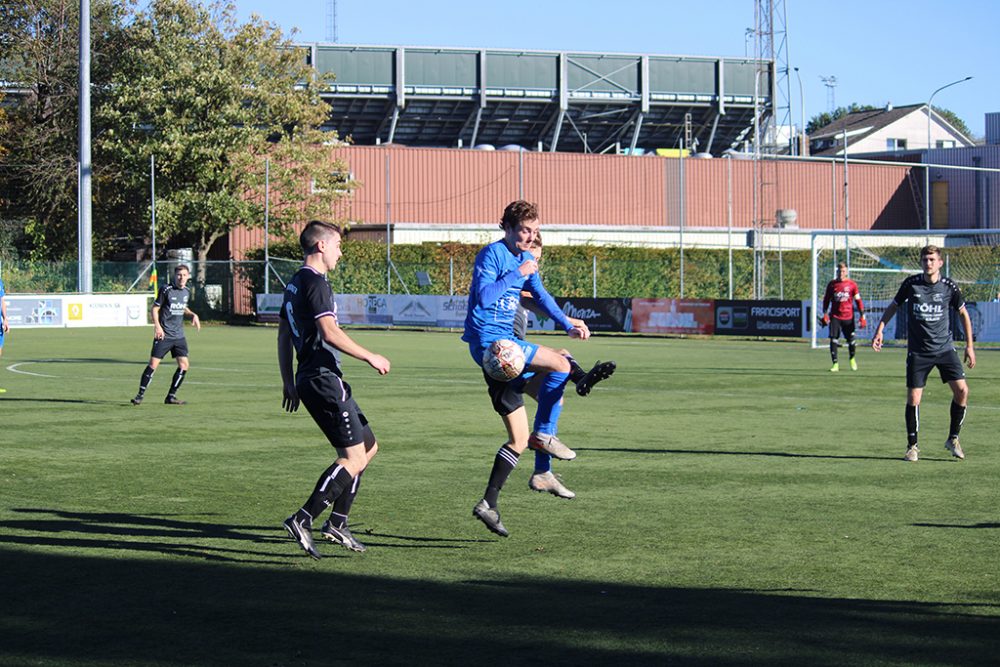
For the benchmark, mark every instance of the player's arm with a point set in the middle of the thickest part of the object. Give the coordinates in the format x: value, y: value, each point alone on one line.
x: 290, y: 395
x: 155, y: 314
x: 194, y: 318
x: 860, y: 305
x: 334, y: 335
x: 529, y: 303
x: 824, y: 319
x: 879, y: 330
x: 970, y: 352
x: 3, y: 314
x: 549, y: 306
x: 489, y: 284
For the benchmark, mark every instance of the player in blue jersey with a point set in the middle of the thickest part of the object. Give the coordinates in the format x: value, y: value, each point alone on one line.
x: 308, y: 327
x: 502, y: 270
x: 4, y: 327
x: 928, y: 297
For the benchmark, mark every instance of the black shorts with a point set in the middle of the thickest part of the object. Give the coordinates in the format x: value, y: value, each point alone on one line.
x: 506, y: 396
x: 178, y: 347
x: 918, y: 367
x: 328, y: 399
x: 839, y: 326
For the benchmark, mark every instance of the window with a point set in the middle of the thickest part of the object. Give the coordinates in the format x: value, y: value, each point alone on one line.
x: 895, y: 144
x: 944, y: 143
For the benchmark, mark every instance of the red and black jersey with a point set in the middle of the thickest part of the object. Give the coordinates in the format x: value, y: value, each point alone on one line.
x: 842, y: 294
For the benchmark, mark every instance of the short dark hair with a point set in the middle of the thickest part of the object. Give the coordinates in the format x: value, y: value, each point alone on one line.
x: 182, y: 267
x: 841, y: 265
x: 517, y: 212
x: 930, y: 250
x: 316, y: 231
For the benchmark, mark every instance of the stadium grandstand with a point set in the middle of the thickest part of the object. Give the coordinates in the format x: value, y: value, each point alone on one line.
x: 542, y: 100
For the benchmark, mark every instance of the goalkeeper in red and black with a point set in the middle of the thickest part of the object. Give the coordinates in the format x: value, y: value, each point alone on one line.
x: 839, y: 302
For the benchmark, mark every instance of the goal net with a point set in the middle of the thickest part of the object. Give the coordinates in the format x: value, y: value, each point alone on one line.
x: 879, y: 261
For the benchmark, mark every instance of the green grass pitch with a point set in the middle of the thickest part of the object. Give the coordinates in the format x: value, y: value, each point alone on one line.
x: 737, y: 504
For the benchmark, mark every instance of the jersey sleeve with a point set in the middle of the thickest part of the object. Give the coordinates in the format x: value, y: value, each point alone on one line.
x: 161, y: 298
x: 856, y: 296
x: 545, y: 300
x: 956, y: 301
x: 488, y: 280
x: 902, y: 294
x: 319, y: 297
x: 2, y: 292
x: 828, y: 295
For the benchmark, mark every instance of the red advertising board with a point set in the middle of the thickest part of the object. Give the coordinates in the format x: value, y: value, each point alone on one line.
x: 676, y: 316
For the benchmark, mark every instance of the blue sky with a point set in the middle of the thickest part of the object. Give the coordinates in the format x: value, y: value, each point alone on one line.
x: 879, y: 50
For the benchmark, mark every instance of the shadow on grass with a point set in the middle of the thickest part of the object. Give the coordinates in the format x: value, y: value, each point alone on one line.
x: 717, y: 452
x: 66, y: 610
x: 957, y: 525
x: 58, y: 400
x: 163, y: 534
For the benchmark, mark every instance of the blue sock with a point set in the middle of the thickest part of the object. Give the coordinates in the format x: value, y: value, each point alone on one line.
x: 550, y: 402
x: 543, y: 461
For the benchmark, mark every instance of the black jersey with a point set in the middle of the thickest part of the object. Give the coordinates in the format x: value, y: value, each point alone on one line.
x: 521, y: 323
x: 928, y: 322
x: 308, y: 297
x: 172, y: 303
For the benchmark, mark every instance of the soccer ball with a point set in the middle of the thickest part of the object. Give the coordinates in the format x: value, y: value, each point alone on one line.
x: 503, y: 360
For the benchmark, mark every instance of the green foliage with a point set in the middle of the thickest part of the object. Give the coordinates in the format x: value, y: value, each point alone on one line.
x: 210, y: 99
x: 821, y: 120
x: 953, y: 120
x: 718, y: 519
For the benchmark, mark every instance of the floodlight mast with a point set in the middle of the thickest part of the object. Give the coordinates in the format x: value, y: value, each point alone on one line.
x: 85, y: 277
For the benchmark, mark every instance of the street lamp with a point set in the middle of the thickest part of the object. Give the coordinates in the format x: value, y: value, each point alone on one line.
x: 927, y: 171
x: 803, y: 139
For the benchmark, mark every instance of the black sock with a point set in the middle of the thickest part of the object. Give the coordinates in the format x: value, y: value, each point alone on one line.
x: 342, y: 506
x: 147, y: 376
x: 503, y: 465
x: 957, y: 417
x: 833, y: 349
x: 175, y: 384
x: 576, y: 372
x: 912, y: 424
x: 851, y: 349
x: 329, y: 486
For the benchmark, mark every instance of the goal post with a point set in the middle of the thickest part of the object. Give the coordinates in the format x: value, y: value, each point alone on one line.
x: 878, y: 261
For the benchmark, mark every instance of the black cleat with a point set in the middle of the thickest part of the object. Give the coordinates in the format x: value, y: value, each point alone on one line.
x: 342, y: 535
x: 600, y: 371
x: 173, y: 400
x: 490, y: 517
x: 137, y: 400
x: 299, y: 530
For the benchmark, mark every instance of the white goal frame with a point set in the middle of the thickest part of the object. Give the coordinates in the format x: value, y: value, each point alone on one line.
x: 820, y: 240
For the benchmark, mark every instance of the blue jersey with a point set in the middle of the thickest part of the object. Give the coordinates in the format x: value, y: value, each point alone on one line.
x: 495, y: 295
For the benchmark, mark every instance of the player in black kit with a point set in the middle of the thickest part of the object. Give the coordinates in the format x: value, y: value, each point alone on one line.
x: 308, y: 324
x: 930, y: 297
x: 168, y: 314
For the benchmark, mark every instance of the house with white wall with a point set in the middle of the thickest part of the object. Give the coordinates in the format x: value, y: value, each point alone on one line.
x: 888, y: 129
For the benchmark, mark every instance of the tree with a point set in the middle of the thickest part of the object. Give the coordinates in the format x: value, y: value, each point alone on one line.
x: 821, y: 120
x: 952, y: 118
x: 39, y: 51
x: 210, y: 99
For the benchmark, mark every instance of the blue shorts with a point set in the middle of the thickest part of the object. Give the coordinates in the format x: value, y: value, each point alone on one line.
x: 477, y: 350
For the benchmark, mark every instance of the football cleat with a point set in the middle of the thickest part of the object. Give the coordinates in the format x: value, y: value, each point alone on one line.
x: 912, y: 453
x: 173, y: 400
x: 956, y: 449
x: 854, y: 364
x: 489, y: 516
x: 299, y: 530
x: 137, y: 400
x: 341, y: 535
x: 600, y: 371
x: 552, y: 445
x: 835, y: 368
x: 549, y: 481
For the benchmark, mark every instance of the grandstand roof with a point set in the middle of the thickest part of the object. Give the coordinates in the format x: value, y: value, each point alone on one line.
x: 575, y: 102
